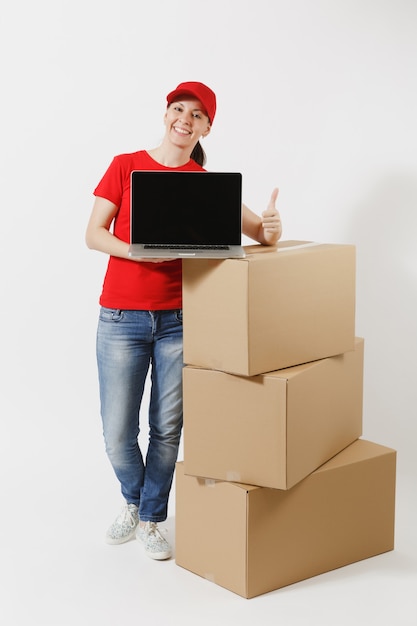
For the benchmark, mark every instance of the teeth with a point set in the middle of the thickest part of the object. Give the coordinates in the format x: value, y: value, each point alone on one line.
x: 181, y: 130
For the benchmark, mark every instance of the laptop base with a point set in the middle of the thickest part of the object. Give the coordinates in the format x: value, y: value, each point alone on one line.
x: 141, y: 251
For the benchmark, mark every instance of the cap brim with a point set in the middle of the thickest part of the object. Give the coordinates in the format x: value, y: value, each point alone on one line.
x: 176, y: 95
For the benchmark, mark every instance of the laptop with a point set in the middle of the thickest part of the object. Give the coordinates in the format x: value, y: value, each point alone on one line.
x: 186, y: 215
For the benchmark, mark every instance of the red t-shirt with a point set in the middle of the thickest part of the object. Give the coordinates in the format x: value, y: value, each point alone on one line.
x: 134, y: 284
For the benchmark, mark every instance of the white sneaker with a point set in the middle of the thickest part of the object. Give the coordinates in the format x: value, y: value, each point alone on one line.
x: 124, y: 526
x: 156, y: 546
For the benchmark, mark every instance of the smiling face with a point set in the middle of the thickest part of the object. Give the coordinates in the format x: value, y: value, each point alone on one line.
x: 185, y: 122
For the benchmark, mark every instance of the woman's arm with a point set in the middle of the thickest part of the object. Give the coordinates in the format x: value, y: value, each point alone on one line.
x: 266, y: 230
x: 98, y: 235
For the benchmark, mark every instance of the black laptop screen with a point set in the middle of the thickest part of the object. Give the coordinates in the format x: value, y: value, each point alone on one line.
x: 197, y: 208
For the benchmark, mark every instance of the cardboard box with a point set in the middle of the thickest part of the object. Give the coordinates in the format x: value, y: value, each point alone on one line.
x: 252, y: 540
x: 278, y: 307
x: 274, y: 429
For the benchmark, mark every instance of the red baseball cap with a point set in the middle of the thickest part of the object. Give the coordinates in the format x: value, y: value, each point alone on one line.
x: 200, y: 91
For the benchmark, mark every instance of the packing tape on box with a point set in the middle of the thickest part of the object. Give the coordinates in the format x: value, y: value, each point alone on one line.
x: 210, y: 577
x: 233, y: 476
x: 209, y: 482
x: 257, y: 249
x: 298, y: 246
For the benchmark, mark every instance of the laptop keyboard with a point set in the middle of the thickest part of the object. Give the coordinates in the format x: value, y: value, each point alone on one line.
x: 161, y: 246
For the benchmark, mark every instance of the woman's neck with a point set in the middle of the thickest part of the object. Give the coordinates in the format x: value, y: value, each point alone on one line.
x: 170, y: 156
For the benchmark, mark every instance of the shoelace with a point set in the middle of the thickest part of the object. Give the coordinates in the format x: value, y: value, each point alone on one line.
x: 126, y: 516
x: 154, y: 531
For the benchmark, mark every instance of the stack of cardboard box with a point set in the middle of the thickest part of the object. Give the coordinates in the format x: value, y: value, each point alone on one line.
x: 276, y: 484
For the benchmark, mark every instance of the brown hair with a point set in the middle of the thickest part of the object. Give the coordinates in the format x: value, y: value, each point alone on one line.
x: 198, y: 155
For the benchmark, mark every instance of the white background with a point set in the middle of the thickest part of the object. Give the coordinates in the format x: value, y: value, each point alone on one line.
x: 316, y: 97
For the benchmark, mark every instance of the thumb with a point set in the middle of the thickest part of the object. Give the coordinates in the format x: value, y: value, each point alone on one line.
x: 271, y: 210
x: 274, y: 196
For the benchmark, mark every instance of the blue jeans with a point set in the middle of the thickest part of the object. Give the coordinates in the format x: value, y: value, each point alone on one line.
x: 128, y: 343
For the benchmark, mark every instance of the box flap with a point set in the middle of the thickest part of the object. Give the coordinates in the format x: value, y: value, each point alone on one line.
x: 361, y: 449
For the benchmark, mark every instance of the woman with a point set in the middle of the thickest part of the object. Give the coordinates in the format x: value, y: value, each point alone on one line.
x: 140, y: 322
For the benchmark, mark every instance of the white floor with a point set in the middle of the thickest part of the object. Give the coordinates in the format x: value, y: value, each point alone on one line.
x: 57, y: 570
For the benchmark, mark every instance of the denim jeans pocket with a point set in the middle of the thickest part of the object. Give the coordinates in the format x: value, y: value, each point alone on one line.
x: 110, y: 315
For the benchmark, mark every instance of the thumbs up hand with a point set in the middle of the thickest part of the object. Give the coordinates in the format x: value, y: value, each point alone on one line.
x: 265, y: 229
x: 271, y: 221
